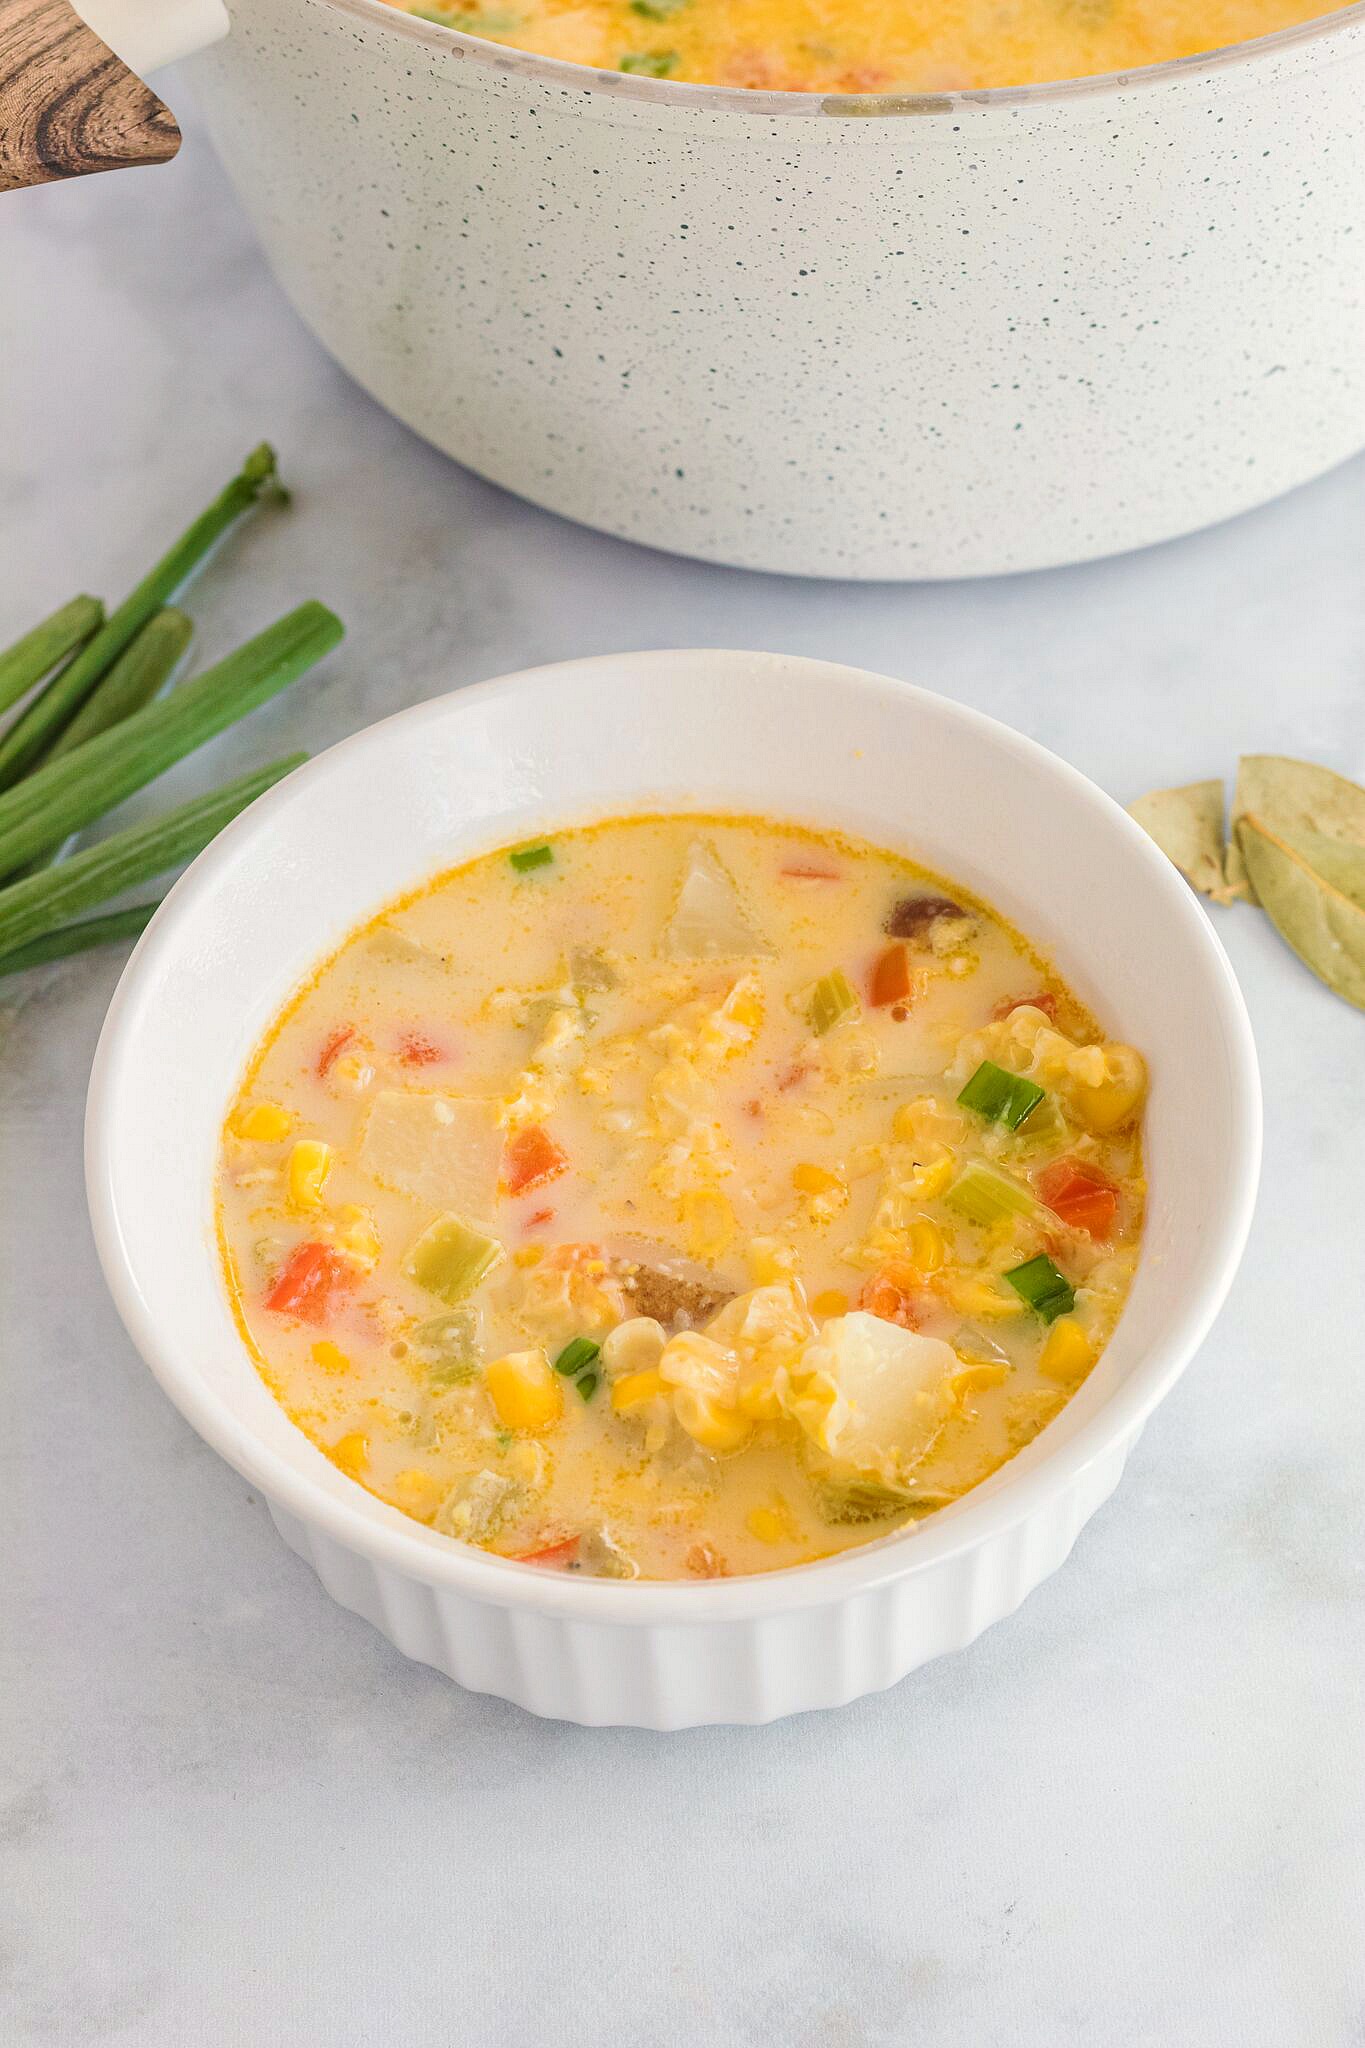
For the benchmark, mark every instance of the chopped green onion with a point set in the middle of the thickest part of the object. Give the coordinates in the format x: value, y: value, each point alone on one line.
x: 78, y: 938
x: 1003, y: 1097
x: 577, y: 1355
x: 62, y: 795
x: 38, y: 724
x: 656, y: 10
x: 31, y: 658
x: 1046, y: 1290
x: 528, y: 857
x: 40, y: 901
x: 587, y: 1384
x: 450, y: 1258
x: 985, y: 1197
x: 831, y: 1000
x: 648, y: 63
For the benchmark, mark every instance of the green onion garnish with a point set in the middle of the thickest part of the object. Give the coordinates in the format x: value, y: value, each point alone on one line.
x: 831, y: 1000
x: 586, y: 1384
x: 1002, y: 1097
x: 985, y: 1197
x: 528, y: 857
x: 577, y: 1355
x: 30, y: 659
x: 1043, y: 1287
x: 656, y: 10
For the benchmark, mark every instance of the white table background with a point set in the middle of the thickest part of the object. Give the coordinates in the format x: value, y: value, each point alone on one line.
x: 1131, y: 1817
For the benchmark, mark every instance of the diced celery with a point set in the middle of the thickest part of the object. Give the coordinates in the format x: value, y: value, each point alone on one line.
x: 450, y: 1258
x: 831, y: 1000
x: 448, y: 1346
x: 985, y: 1197
x: 843, y: 1500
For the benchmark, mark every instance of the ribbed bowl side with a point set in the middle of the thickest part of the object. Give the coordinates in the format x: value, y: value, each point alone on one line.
x: 663, y: 1676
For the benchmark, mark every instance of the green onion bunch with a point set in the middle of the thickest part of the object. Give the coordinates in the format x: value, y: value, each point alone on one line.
x: 88, y: 727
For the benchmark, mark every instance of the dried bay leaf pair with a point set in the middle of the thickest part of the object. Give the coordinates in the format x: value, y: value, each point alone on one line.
x: 1295, y: 845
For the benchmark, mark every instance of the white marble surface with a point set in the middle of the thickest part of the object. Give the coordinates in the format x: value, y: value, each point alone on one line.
x: 1131, y: 1817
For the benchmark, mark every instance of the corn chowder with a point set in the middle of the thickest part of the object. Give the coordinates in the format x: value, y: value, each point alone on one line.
x: 680, y: 1196
x: 867, y: 45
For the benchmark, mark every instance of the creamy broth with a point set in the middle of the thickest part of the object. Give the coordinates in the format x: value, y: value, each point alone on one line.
x: 869, y: 45
x: 680, y: 1196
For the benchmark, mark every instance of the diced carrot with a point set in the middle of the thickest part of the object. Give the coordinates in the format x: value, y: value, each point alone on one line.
x: 891, y: 1291
x: 806, y: 871
x: 554, y: 1557
x: 890, y: 979
x: 1081, y: 1195
x: 1044, y: 1000
x: 311, y: 1280
x: 416, y: 1050
x: 335, y: 1046
x: 532, y: 1157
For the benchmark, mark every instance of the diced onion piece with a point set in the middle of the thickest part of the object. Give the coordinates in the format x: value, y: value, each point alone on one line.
x: 708, y: 921
x: 831, y: 1001
x: 450, y: 1258
x: 985, y: 1197
x: 1002, y: 1097
x: 1046, y: 1290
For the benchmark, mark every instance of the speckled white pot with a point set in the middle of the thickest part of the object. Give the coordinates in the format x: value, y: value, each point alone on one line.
x: 865, y: 337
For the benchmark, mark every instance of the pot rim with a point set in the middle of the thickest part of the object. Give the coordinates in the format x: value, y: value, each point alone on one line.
x: 766, y: 105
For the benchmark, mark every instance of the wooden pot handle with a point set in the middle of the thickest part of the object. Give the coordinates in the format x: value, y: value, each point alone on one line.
x: 68, y: 106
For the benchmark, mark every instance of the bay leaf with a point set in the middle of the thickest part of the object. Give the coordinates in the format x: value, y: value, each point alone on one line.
x: 1323, y: 922
x: 1297, y: 801
x: 1187, y: 824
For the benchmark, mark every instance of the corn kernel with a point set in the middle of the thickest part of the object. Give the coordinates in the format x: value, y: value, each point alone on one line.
x: 1068, y: 1353
x: 1105, y: 1105
x: 709, y: 1222
x: 351, y: 1452
x: 633, y: 1346
x: 770, y: 1261
x: 815, y: 1180
x: 976, y: 1379
x: 831, y: 1301
x: 528, y: 1255
x: 766, y: 1524
x: 330, y: 1356
x: 931, y: 1177
x: 707, y: 1423
x: 926, y: 1246
x: 358, y: 1236
x: 757, y: 1396
x: 265, y: 1123
x: 310, y: 1162
x: 524, y: 1391
x: 975, y: 1297
x: 417, y: 1492
x: 352, y: 1073
x: 636, y: 1390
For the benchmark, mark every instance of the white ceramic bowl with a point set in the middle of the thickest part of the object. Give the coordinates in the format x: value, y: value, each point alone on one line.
x: 798, y: 739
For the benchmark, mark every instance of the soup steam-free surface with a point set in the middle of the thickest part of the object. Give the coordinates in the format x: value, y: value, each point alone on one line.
x: 610, y: 1202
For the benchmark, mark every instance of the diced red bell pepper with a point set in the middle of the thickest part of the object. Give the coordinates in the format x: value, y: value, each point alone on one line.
x: 555, y: 1557
x: 310, y: 1282
x: 1044, y: 1000
x: 1081, y: 1195
x: 890, y: 978
x: 531, y: 1158
x: 891, y: 1293
x: 334, y: 1047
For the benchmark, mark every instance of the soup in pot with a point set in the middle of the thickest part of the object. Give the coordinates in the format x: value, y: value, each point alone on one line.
x: 680, y: 1196
x: 866, y: 45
